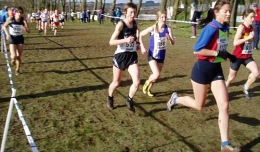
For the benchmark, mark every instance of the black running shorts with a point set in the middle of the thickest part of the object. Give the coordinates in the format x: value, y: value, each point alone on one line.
x: 125, y: 59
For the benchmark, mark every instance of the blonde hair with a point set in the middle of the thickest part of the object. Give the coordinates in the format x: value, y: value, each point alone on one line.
x: 158, y: 15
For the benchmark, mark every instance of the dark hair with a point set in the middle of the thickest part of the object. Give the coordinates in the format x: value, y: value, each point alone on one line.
x: 130, y: 5
x: 247, y: 12
x: 209, y: 18
x: 210, y: 14
x: 19, y: 9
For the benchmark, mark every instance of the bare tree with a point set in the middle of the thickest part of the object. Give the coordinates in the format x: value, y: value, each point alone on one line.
x: 114, y: 4
x: 50, y: 3
x: 234, y: 13
x: 163, y: 5
x: 139, y: 7
x: 131, y: 1
x: 175, y: 9
x: 95, y: 8
x: 63, y: 4
x: 185, y: 9
x: 100, y: 4
x: 83, y: 5
x: 73, y: 5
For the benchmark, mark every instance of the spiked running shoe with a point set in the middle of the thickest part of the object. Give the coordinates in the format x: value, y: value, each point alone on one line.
x: 246, y: 92
x: 145, y: 87
x: 149, y: 93
x: 130, y: 104
x: 230, y: 148
x: 171, y: 103
x: 110, y: 103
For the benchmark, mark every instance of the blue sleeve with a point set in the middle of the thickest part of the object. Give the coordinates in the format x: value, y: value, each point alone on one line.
x: 205, y: 37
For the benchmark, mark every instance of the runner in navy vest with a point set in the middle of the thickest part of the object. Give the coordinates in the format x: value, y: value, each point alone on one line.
x: 159, y: 34
x: 125, y: 37
x: 16, y: 25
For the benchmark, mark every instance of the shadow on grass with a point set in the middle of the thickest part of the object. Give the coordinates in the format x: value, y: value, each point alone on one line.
x: 56, y: 48
x: 105, y: 86
x: 69, y: 90
x: 248, y: 146
x: 245, y: 120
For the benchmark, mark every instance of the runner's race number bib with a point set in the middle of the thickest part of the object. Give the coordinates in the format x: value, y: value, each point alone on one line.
x: 16, y: 30
x: 248, y: 48
x: 160, y: 42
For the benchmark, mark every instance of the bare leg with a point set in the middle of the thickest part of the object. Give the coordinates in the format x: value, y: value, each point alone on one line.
x: 219, y: 91
x: 232, y: 75
x: 135, y: 75
x: 117, y: 73
x: 252, y: 66
x: 200, y: 93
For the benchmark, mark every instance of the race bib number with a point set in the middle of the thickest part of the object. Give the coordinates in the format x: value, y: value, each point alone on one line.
x: 248, y: 48
x: 130, y: 46
x: 161, y: 43
x: 222, y: 44
x: 16, y: 29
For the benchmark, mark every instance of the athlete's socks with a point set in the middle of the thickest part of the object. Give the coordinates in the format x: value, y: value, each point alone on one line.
x: 175, y: 101
x: 129, y: 99
x: 224, y: 143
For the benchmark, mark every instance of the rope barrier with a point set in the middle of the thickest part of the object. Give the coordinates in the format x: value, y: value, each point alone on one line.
x: 144, y: 19
x: 14, y: 102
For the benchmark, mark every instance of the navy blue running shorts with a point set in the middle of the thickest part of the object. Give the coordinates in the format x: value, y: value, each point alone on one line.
x: 204, y: 72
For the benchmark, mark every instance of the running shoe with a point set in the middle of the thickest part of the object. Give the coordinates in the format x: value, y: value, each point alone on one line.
x: 17, y: 72
x: 110, y: 103
x: 170, y: 103
x: 247, y: 94
x: 145, y: 87
x: 149, y: 93
x: 230, y: 148
x: 130, y: 104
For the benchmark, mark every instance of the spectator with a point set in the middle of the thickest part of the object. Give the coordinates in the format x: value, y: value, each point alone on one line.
x: 72, y: 16
x: 3, y: 16
x: 195, y: 17
x: 113, y: 14
x: 89, y: 15
x: 82, y: 17
x: 118, y: 14
x: 101, y: 15
x: 256, y: 26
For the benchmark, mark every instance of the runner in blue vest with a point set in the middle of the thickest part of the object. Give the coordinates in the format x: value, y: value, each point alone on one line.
x: 160, y: 33
x: 207, y: 72
x: 3, y: 16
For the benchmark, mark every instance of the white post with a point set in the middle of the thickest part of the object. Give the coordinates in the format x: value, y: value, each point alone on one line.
x: 7, y: 123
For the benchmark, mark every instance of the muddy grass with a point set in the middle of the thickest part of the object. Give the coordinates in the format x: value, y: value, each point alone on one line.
x: 63, y: 88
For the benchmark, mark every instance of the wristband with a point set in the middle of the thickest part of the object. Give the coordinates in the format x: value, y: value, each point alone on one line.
x: 216, y: 53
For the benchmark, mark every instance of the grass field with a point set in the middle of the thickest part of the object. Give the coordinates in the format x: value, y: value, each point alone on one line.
x: 62, y: 92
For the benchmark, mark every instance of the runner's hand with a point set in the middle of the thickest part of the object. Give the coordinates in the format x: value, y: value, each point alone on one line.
x: 223, y: 54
